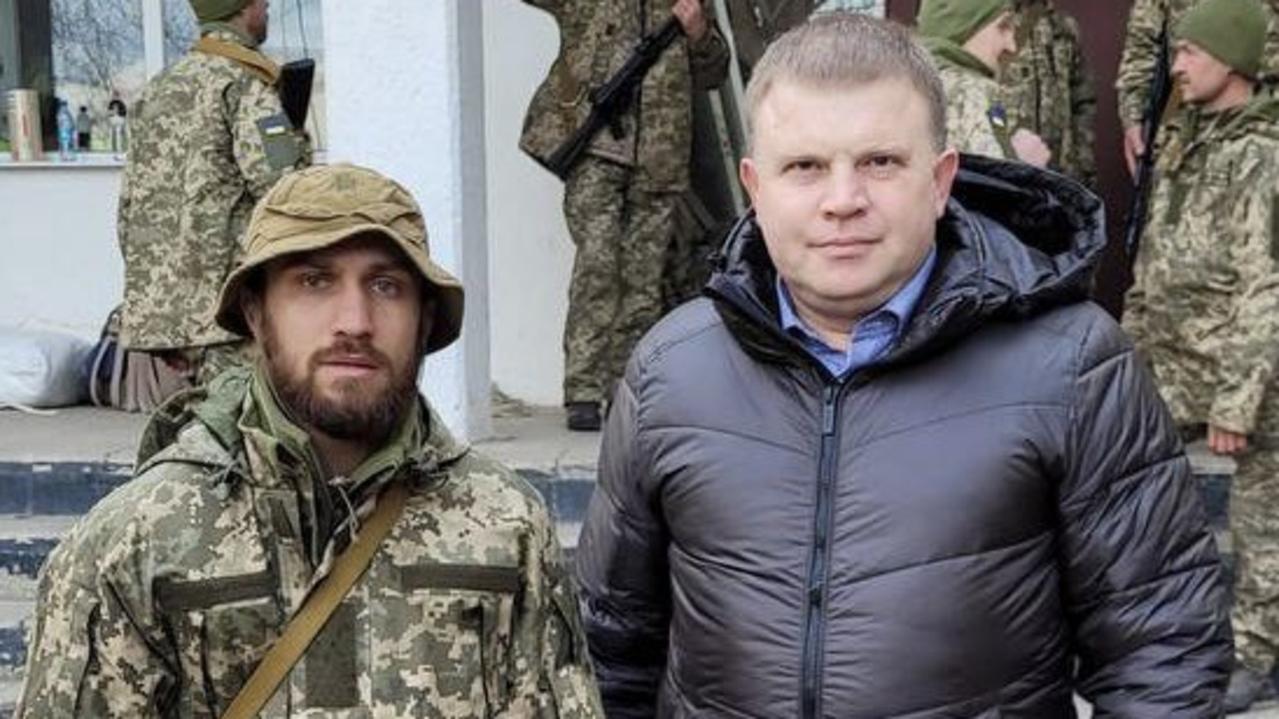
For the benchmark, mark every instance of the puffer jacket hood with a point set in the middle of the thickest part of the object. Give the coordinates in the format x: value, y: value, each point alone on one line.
x: 1014, y: 242
x: 994, y: 516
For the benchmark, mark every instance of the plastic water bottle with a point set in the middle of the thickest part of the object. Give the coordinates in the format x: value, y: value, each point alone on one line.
x: 66, y: 132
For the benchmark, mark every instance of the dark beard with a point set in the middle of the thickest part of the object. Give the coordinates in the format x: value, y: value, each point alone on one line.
x: 362, y: 417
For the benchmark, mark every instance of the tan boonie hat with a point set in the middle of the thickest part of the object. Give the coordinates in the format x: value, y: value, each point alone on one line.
x: 321, y: 206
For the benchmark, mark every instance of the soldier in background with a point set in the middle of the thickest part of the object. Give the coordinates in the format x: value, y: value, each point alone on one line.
x: 620, y: 200
x: 1205, y: 304
x: 1146, y: 21
x: 207, y: 139
x: 971, y: 40
x: 1049, y: 88
x: 166, y: 596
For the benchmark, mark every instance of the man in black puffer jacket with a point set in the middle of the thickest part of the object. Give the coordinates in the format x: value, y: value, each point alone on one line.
x: 896, y: 464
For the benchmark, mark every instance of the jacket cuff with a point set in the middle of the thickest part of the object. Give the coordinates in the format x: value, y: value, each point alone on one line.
x: 1235, y: 412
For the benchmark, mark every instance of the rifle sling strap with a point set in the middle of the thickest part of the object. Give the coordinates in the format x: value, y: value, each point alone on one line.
x: 318, y: 607
x: 255, y: 62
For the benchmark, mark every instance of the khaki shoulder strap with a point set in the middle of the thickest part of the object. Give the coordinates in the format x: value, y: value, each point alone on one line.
x: 256, y: 63
x: 318, y: 607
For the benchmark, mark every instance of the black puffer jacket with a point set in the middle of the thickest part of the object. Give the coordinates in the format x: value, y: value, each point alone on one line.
x: 995, y: 513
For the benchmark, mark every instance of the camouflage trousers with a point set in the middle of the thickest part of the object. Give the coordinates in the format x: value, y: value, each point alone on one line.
x: 621, y: 233
x: 1254, y: 526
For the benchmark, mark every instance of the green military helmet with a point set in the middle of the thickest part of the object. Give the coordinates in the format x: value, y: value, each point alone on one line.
x: 321, y: 206
x: 958, y: 20
x: 217, y: 10
x: 1233, y: 31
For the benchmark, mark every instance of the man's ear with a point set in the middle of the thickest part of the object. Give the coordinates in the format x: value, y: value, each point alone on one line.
x: 749, y: 175
x: 251, y: 308
x: 944, y: 170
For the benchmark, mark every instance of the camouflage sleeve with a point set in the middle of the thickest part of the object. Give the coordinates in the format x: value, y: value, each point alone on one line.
x: 1137, y: 65
x: 1270, y: 58
x: 1083, y: 111
x: 708, y: 59
x: 1247, y: 354
x: 265, y: 143
x: 968, y: 122
x: 88, y: 654
x: 1134, y: 316
x: 552, y: 674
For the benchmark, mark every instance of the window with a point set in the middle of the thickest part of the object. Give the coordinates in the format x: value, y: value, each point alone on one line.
x: 97, y: 57
x: 91, y: 52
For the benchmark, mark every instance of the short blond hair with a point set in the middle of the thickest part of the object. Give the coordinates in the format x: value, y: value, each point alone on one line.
x: 842, y: 49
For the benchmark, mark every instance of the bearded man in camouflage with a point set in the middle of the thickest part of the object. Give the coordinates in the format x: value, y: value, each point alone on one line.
x: 166, y: 596
x: 971, y: 41
x: 620, y: 200
x: 1205, y: 303
x: 1050, y: 89
x: 208, y: 138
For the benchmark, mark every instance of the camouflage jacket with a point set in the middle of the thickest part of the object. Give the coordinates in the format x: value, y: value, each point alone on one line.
x: 977, y: 121
x: 1205, y: 302
x: 596, y: 37
x: 1050, y: 89
x: 1141, y: 51
x: 208, y: 138
x: 166, y: 595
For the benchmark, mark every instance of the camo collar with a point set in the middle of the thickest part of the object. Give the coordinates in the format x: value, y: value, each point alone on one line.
x: 949, y: 53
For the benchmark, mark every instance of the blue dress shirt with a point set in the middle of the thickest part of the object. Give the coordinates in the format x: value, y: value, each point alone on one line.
x: 873, y: 335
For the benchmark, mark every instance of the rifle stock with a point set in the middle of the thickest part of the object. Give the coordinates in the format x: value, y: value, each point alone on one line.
x: 613, y: 97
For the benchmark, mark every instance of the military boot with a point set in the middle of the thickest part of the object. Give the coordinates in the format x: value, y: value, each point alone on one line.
x: 583, y: 416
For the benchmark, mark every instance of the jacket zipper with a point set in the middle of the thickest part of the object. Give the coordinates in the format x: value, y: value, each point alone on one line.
x: 818, y: 568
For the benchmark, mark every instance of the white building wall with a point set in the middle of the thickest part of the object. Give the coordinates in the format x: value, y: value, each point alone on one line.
x: 60, y: 266
x: 530, y: 252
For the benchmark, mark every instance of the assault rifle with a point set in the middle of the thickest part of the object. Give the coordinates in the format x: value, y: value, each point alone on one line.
x: 612, y: 98
x: 1160, y: 91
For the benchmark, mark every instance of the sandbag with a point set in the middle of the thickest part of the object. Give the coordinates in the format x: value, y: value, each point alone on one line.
x: 41, y: 368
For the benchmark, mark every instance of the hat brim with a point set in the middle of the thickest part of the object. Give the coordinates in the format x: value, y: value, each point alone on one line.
x: 442, y: 287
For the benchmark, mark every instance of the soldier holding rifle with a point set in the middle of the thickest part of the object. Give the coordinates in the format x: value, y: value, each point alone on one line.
x: 620, y: 193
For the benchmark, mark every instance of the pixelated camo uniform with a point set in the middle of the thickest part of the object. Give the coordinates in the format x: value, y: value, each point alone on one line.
x: 1050, y: 90
x: 208, y: 138
x: 1141, y: 51
x: 168, y: 593
x: 1205, y: 309
x: 620, y: 201
x: 977, y: 120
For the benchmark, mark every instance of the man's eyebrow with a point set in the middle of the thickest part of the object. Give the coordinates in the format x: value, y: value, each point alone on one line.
x: 314, y: 261
x: 885, y: 149
x: 786, y: 156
